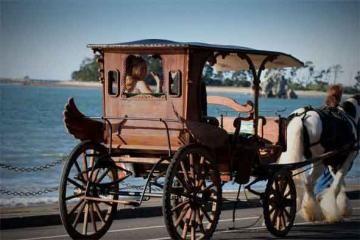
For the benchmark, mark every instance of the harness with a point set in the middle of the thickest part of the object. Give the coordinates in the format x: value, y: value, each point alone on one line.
x: 337, y: 131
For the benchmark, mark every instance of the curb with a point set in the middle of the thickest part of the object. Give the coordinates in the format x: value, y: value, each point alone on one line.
x: 125, y: 213
x: 139, y: 212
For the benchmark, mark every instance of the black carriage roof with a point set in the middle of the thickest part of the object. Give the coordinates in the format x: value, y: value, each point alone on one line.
x: 283, y: 59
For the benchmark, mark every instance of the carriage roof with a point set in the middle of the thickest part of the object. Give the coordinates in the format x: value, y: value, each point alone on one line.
x: 228, y: 56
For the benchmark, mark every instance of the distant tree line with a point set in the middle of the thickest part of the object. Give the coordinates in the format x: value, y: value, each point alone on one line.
x: 88, y: 71
x: 305, y: 78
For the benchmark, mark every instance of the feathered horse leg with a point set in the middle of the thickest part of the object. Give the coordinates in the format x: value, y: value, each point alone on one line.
x: 333, y: 202
x: 310, y: 209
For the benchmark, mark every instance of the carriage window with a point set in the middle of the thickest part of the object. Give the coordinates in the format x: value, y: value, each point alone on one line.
x: 175, y: 83
x: 113, y: 83
x: 144, y: 76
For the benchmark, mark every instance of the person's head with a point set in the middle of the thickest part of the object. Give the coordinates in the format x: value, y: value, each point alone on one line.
x: 136, y: 70
x: 334, y: 94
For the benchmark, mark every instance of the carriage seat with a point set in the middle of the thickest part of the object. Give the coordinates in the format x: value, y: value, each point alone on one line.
x: 272, y: 133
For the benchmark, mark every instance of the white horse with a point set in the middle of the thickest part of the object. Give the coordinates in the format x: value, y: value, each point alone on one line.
x: 332, y: 205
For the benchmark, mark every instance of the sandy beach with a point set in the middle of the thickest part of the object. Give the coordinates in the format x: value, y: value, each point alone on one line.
x: 71, y: 83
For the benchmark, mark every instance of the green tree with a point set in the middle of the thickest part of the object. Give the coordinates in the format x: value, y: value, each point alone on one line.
x: 88, y: 71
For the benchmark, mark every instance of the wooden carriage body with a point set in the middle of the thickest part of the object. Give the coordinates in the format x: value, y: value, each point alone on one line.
x: 143, y: 127
x: 166, y: 133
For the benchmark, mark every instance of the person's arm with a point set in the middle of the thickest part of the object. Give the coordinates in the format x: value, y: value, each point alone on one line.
x: 158, y: 82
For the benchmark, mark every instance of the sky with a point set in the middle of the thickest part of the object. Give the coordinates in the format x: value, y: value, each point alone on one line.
x: 46, y: 39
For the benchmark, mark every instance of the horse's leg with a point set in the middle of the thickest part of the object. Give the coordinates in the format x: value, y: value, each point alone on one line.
x: 329, y: 203
x: 311, y: 210
x: 343, y: 202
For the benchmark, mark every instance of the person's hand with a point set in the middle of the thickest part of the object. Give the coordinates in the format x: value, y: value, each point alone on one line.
x: 155, y: 76
x: 158, y: 81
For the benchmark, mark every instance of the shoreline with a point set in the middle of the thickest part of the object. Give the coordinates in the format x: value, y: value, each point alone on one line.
x: 79, y: 84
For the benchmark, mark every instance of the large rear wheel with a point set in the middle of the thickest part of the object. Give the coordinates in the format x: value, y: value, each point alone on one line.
x: 86, y: 192
x: 192, y: 194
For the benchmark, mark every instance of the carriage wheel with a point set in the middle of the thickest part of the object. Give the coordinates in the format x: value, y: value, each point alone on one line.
x: 279, y: 204
x: 192, y: 194
x: 84, y: 218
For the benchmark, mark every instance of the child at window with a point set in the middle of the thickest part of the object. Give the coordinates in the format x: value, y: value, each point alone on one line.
x: 135, y: 80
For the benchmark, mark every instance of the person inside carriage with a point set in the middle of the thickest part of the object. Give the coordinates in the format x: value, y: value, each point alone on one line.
x: 136, y: 74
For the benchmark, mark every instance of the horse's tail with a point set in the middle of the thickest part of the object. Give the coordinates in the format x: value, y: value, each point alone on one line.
x: 295, y: 142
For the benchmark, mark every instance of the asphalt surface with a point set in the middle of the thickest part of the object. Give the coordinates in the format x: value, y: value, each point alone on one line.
x: 248, y: 226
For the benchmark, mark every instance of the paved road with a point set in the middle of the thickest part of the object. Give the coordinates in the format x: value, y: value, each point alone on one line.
x: 247, y: 228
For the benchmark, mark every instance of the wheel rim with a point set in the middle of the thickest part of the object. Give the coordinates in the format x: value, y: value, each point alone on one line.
x: 84, y: 217
x: 194, y: 195
x: 280, y: 204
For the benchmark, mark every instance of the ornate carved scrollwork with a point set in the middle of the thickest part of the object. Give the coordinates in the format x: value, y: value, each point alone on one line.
x: 99, y: 55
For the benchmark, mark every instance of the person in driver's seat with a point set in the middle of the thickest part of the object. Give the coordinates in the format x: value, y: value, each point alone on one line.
x: 334, y: 94
x: 135, y: 79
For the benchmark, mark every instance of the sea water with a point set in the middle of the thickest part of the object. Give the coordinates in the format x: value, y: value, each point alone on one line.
x: 32, y: 133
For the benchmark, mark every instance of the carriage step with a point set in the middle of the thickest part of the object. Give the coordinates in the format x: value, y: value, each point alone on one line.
x: 132, y: 203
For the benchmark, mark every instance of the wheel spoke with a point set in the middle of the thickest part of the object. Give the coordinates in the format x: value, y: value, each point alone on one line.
x: 76, y: 207
x: 184, y: 184
x: 179, y: 205
x: 76, y: 221
x: 98, y: 212
x: 274, y: 218
x: 86, y: 215
x: 287, y: 214
x: 192, y: 171
x: 74, y: 196
x: 93, y: 217
x: 287, y: 194
x: 92, y: 166
x: 79, y: 171
x: 277, y: 187
x: 199, y: 221
x: 282, y: 217
x: 85, y: 166
x: 284, y: 189
x: 193, y: 236
x: 205, y: 214
x: 183, y: 212
x: 272, y: 209
x: 103, y: 175
x: 186, y: 176
x: 73, y: 182
x: 186, y: 224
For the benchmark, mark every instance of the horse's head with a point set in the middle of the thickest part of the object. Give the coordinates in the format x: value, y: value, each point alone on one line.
x: 352, y: 107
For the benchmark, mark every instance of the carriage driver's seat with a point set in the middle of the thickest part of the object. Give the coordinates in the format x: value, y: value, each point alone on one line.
x: 272, y: 132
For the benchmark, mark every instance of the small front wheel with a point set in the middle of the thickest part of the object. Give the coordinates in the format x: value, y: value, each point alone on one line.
x: 86, y: 191
x: 279, y: 204
x: 192, y: 194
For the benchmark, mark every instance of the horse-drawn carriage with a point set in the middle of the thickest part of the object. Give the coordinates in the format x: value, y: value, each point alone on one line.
x: 165, y: 134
